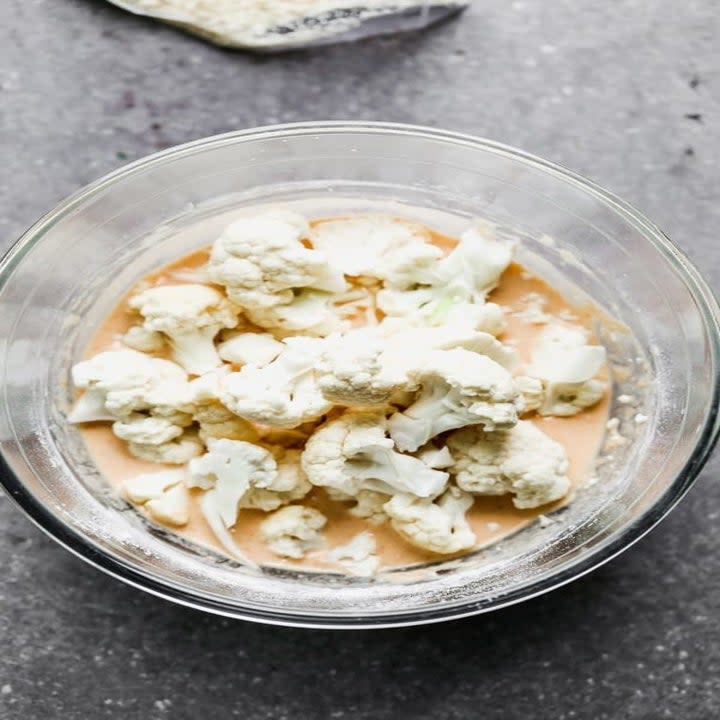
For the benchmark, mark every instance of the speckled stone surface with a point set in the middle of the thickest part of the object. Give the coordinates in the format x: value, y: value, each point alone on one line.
x: 626, y: 93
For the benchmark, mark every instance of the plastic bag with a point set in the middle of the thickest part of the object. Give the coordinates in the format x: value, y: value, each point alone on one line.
x: 276, y: 25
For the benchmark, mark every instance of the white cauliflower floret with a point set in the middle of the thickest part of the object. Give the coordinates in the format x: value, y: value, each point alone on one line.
x: 211, y: 512
x: 374, y: 366
x: 190, y: 316
x: 588, y: 394
x: 232, y: 468
x: 445, y: 337
x: 205, y: 389
x: 216, y: 421
x: 172, y: 507
x: 176, y: 452
x: 213, y: 418
x: 283, y: 393
x: 147, y: 430
x: 243, y: 475
x: 475, y: 265
x: 289, y: 484
x: 356, y: 369
x: 415, y: 306
x: 261, y: 260
x: 436, y: 525
x: 138, y: 337
x: 154, y: 404
x: 456, y: 284
x: 293, y: 531
x: 370, y: 504
x: 309, y: 311
x: 358, y: 556
x: 521, y: 460
x: 250, y: 348
x: 405, y: 267
x: 162, y: 494
x: 118, y: 383
x: 458, y: 388
x: 432, y: 306
x: 367, y: 504
x: 487, y: 317
x: 377, y: 246
x: 148, y: 486
x: 352, y: 453
x: 567, y: 366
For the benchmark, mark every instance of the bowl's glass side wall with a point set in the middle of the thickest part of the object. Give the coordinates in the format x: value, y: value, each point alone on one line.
x: 74, y: 265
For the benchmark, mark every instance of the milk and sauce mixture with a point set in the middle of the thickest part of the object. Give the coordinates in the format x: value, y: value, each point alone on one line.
x: 353, y: 394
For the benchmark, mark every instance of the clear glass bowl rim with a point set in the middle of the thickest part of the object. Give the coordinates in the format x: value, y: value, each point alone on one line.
x: 67, y: 537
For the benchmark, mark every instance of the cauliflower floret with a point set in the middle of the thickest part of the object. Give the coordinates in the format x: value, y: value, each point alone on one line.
x: 146, y: 430
x: 374, y: 366
x: 352, y: 453
x: 457, y: 285
x: 213, y: 418
x: 293, y: 531
x: 282, y: 394
x: 243, y: 475
x: 521, y: 460
x: 250, y: 348
x: 567, y: 366
x: 172, y: 507
x: 356, y: 369
x: 290, y: 484
x: 458, y: 388
x: 487, y: 317
x: 162, y: 494
x: 405, y: 267
x: 232, y: 468
x: 439, y: 526
x: 118, y: 383
x: 176, y: 452
x: 370, y: 504
x: 261, y: 260
x: 458, y: 334
x: 475, y: 265
x: 415, y: 306
x: 377, y: 246
x: 406, y: 257
x: 210, y: 509
x: 359, y: 556
x: 148, y: 486
x: 138, y: 337
x: 588, y: 394
x: 309, y: 311
x: 431, y: 307
x: 394, y: 250
x: 190, y: 316
x: 216, y: 421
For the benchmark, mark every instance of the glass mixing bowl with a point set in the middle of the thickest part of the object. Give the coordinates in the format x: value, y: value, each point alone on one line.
x: 69, y: 269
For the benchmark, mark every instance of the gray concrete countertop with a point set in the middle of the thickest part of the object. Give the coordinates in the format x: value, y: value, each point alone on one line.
x: 627, y: 93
